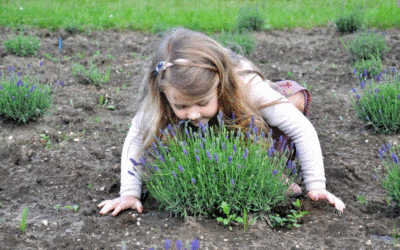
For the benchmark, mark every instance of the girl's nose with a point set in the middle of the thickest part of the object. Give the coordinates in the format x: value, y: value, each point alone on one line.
x: 194, y: 115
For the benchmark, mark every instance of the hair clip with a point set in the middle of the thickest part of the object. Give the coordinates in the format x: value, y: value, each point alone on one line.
x: 161, y: 66
x: 158, y: 67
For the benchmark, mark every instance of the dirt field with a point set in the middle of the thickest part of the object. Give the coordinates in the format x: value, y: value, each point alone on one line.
x: 79, y: 162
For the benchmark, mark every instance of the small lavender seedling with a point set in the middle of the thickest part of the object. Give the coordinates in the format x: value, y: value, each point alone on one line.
x: 22, y: 222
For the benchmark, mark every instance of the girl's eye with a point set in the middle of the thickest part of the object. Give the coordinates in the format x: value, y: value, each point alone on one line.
x: 202, y: 104
x: 179, y: 106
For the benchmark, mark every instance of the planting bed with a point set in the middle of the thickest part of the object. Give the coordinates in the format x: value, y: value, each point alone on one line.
x: 81, y: 163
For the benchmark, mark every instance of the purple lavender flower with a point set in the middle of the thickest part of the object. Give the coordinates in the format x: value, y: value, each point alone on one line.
x: 377, y: 90
x: 173, y: 173
x: 195, y: 245
x: 180, y: 168
x: 388, y: 146
x: 58, y: 82
x: 383, y: 97
x: 248, y: 134
x: 395, y: 159
x: 197, y: 158
x: 255, y: 129
x: 380, y: 112
x: 41, y: 63
x: 365, y: 72
x: 155, y: 168
x: 255, y: 139
x: 187, y: 133
x: 142, y: 161
x: 381, y: 153
x: 362, y: 84
x: 62, y: 83
x: 19, y: 73
x: 194, y: 181
x: 271, y: 150
x: 154, y: 146
x: 354, y: 90
x: 29, y: 65
x: 399, y: 94
x: 367, y: 117
x: 355, y: 71
x: 376, y: 96
x: 274, y: 172
x: 223, y: 146
x: 384, y: 148
x: 208, y: 154
x: 134, y: 162
x: 216, y: 157
x: 230, y: 159
x: 13, y: 98
x: 26, y: 95
x: 233, y: 182
x: 294, y: 171
x: 161, y: 158
x: 233, y: 116
x: 185, y: 151
x: 234, y: 148
x: 204, y: 140
x: 201, y: 145
x: 179, y: 245
x: 246, y: 153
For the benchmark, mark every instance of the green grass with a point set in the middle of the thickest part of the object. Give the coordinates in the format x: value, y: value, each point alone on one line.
x: 205, y: 15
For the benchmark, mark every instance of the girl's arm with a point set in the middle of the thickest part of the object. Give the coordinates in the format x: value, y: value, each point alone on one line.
x: 292, y: 122
x: 131, y: 185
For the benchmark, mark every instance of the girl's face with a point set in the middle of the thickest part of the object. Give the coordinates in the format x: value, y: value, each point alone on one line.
x: 196, y: 109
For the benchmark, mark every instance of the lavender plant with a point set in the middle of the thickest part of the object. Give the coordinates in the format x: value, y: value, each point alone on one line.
x: 367, y: 45
x: 378, y: 101
x: 391, y: 179
x: 195, y: 171
x: 22, y: 45
x: 373, y: 66
x: 22, y: 98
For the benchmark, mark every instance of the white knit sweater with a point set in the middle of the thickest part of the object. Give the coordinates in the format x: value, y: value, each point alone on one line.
x: 284, y: 116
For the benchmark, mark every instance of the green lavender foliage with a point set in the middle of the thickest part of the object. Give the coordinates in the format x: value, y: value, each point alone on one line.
x: 243, y: 43
x: 390, y: 180
x: 349, y: 21
x: 198, y: 170
x: 22, y: 45
x: 367, y: 45
x: 378, y: 101
x: 250, y: 18
x: 93, y: 75
x: 22, y: 98
x: 373, y: 66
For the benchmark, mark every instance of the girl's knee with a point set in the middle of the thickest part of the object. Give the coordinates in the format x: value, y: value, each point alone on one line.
x: 298, y: 101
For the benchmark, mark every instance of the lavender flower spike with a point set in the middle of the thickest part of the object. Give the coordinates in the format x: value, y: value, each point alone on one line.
x: 274, y: 172
x: 208, y: 154
x: 180, y: 168
x: 230, y: 159
x: 167, y: 244
x: 194, y: 181
x: 223, y: 146
x: 233, y: 182
x: 216, y: 157
x: 234, y: 148
x: 185, y: 151
x: 195, y: 245
x: 395, y: 158
x: 179, y: 245
x: 197, y: 158
x: 162, y: 158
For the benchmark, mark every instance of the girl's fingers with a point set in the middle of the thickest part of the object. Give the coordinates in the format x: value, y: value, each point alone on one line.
x: 117, y: 210
x: 103, y: 203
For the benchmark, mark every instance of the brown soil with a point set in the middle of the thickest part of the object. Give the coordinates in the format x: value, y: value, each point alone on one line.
x: 81, y: 164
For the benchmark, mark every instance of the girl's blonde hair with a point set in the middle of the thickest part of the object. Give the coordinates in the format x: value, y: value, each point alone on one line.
x: 196, y: 65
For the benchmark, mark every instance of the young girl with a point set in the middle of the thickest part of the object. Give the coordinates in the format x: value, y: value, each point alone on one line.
x: 194, y: 77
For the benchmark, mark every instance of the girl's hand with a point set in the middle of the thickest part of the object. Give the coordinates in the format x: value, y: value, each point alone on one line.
x: 119, y: 204
x: 318, y: 194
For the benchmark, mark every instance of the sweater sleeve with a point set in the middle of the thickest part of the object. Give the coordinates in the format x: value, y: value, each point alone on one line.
x: 131, y: 185
x: 293, y: 123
